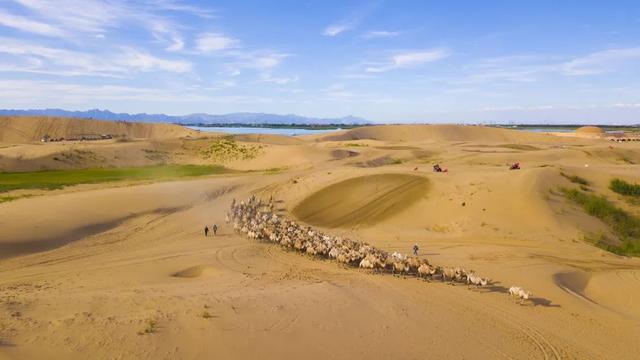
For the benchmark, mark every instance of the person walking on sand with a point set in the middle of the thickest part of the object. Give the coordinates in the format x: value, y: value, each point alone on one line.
x: 206, y: 231
x: 415, y: 249
x: 215, y: 229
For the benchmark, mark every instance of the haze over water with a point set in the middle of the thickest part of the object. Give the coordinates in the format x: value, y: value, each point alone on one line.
x: 262, y: 130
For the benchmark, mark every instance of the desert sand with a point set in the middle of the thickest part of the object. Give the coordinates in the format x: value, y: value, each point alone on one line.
x: 120, y: 271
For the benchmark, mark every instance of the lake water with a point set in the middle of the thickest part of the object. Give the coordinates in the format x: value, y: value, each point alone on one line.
x: 547, y: 130
x: 296, y: 132
x: 262, y: 130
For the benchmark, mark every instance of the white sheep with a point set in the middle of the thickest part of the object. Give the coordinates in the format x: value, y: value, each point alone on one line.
x: 256, y: 219
x: 399, y: 266
x: 311, y: 250
x: 520, y: 293
x: 366, y: 264
x: 476, y: 280
x: 342, y: 258
x: 397, y: 256
x: 448, y: 274
x: 426, y: 270
x: 298, y: 244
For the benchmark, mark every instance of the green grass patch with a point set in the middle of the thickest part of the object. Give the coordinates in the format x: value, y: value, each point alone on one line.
x: 585, y: 188
x: 156, y: 155
x: 380, y: 161
x: 276, y: 170
x: 11, y: 198
x: 356, y: 145
x: 626, y: 226
x: 226, y: 148
x: 624, y: 188
x: 575, y: 179
x: 56, y: 179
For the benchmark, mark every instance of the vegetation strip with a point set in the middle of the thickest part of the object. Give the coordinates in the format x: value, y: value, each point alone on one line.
x: 575, y: 179
x: 625, y: 225
x: 57, y: 179
x: 624, y: 188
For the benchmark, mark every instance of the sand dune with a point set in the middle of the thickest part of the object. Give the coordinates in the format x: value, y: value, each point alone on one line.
x: 126, y: 272
x: 18, y: 129
x: 269, y: 139
x: 362, y: 200
x: 435, y: 133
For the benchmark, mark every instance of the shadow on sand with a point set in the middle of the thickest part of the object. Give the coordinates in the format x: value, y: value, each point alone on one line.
x: 45, y: 241
x: 6, y: 343
x: 536, y: 301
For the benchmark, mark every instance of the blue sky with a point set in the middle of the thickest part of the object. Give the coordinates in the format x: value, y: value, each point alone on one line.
x: 390, y: 61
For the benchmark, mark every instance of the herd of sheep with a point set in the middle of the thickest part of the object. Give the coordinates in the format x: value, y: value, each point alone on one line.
x: 256, y: 219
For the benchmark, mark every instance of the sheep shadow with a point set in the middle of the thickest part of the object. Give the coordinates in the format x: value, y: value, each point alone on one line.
x: 543, y: 302
x: 6, y: 343
x: 537, y: 301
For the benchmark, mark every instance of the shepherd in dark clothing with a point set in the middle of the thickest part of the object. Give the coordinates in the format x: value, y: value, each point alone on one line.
x: 206, y: 230
x: 215, y: 229
x: 437, y: 168
x: 415, y: 249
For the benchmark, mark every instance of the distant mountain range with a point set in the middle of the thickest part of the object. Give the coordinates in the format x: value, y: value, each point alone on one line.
x: 193, y: 119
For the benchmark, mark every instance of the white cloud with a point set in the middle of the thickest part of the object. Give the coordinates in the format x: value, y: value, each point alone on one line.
x: 91, y: 18
x: 59, y: 59
x: 25, y: 24
x: 335, y: 29
x: 42, y: 59
x: 409, y: 59
x: 212, y: 42
x: 417, y: 58
x: 375, y: 34
x: 268, y: 78
x: 29, y: 92
x: 338, y: 92
x: 170, y: 5
x: 137, y: 60
x: 354, y: 19
x: 602, y: 62
x: 519, y: 74
x: 177, y: 45
x: 259, y: 60
x: 512, y: 68
x: 519, y: 108
x: 357, y: 76
x: 627, y: 105
x: 86, y: 16
x: 266, y: 61
x: 36, y: 93
x: 532, y: 68
x: 562, y: 107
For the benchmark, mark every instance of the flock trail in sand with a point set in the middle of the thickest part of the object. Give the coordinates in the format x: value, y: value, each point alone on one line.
x: 257, y: 221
